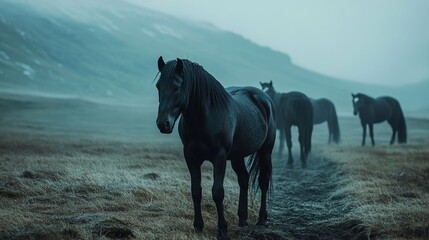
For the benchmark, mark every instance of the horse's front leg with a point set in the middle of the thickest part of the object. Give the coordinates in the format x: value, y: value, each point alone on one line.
x: 219, y: 165
x: 194, y: 167
x: 363, y: 134
x: 371, y: 133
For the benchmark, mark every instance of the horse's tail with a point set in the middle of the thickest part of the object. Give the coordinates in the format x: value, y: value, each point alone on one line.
x: 254, y: 166
x: 402, y: 127
x: 334, y: 127
x: 267, y: 108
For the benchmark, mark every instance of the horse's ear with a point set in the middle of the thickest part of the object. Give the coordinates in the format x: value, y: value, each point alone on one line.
x: 161, y: 63
x: 353, y: 95
x: 179, y: 67
x: 271, y: 83
x: 261, y: 83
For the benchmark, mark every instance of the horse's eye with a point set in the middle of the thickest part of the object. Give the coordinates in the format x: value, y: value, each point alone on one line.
x: 176, y: 89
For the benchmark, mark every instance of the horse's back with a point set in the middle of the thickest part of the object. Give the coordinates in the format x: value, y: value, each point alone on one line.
x: 389, y: 100
x: 254, y: 113
x: 252, y: 97
x: 383, y: 108
x: 291, y: 106
x: 322, y: 109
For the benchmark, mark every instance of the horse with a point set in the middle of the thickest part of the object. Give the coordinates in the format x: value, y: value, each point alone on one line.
x: 218, y: 124
x: 324, y: 111
x: 293, y: 109
x: 377, y: 110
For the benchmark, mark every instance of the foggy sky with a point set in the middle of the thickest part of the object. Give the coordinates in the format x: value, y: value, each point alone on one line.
x: 381, y: 41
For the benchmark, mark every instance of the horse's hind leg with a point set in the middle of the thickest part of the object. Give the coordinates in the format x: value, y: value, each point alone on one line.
x: 330, y: 134
x: 289, y: 145
x: 239, y: 168
x: 392, y: 140
x: 394, y: 132
x: 301, y: 139
x: 265, y: 171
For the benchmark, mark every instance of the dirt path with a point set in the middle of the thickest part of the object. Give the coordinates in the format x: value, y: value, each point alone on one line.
x: 302, y: 206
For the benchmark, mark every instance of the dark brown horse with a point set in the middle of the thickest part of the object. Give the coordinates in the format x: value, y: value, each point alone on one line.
x: 324, y: 111
x: 377, y: 110
x: 293, y: 109
x: 218, y: 124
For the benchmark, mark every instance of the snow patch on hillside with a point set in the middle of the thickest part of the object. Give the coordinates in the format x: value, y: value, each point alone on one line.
x: 167, y: 30
x: 26, y: 69
x: 148, y: 32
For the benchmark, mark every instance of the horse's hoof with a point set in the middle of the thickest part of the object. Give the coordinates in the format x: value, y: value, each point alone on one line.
x: 222, y: 235
x: 198, y: 229
x: 289, y: 165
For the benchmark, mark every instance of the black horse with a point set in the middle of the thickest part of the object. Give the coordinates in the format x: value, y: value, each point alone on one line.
x: 218, y: 124
x: 324, y: 111
x: 293, y: 109
x: 378, y: 110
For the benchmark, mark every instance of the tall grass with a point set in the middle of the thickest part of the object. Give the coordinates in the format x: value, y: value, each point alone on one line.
x: 388, y: 187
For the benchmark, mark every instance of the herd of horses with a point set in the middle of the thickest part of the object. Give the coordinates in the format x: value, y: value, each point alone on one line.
x: 220, y: 124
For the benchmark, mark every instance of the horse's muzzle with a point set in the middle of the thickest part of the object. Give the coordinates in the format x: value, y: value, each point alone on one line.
x: 165, y: 126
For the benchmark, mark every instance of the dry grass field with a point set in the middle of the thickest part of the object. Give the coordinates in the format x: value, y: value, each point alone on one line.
x: 77, y: 170
x: 54, y: 188
x: 389, y: 188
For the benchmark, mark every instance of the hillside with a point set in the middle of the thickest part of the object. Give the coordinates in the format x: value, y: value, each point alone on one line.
x: 108, y: 50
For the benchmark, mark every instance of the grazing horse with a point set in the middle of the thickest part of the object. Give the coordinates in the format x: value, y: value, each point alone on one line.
x: 324, y: 111
x: 293, y: 109
x: 377, y: 110
x: 218, y: 124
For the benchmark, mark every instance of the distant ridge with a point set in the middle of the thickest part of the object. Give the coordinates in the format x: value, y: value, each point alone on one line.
x: 108, y: 50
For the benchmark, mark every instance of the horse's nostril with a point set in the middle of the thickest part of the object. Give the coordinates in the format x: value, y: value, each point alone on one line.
x: 167, y: 124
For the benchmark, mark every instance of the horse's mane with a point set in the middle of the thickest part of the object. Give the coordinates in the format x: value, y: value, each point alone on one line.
x: 202, y: 87
x: 363, y: 97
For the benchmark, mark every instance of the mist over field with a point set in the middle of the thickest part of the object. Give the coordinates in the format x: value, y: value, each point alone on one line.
x: 82, y: 158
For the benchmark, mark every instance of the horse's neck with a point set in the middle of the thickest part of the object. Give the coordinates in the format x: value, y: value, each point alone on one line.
x: 205, y: 100
x: 277, y: 98
x: 366, y: 99
x: 199, y: 117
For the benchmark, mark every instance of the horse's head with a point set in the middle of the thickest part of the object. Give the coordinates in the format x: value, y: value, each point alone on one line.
x: 172, y: 94
x: 268, y: 88
x: 356, y: 103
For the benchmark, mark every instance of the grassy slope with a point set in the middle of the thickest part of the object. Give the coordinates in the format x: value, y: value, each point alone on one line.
x: 93, y: 49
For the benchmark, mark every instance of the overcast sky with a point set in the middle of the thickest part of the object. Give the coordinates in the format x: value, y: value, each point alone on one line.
x: 378, y: 41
